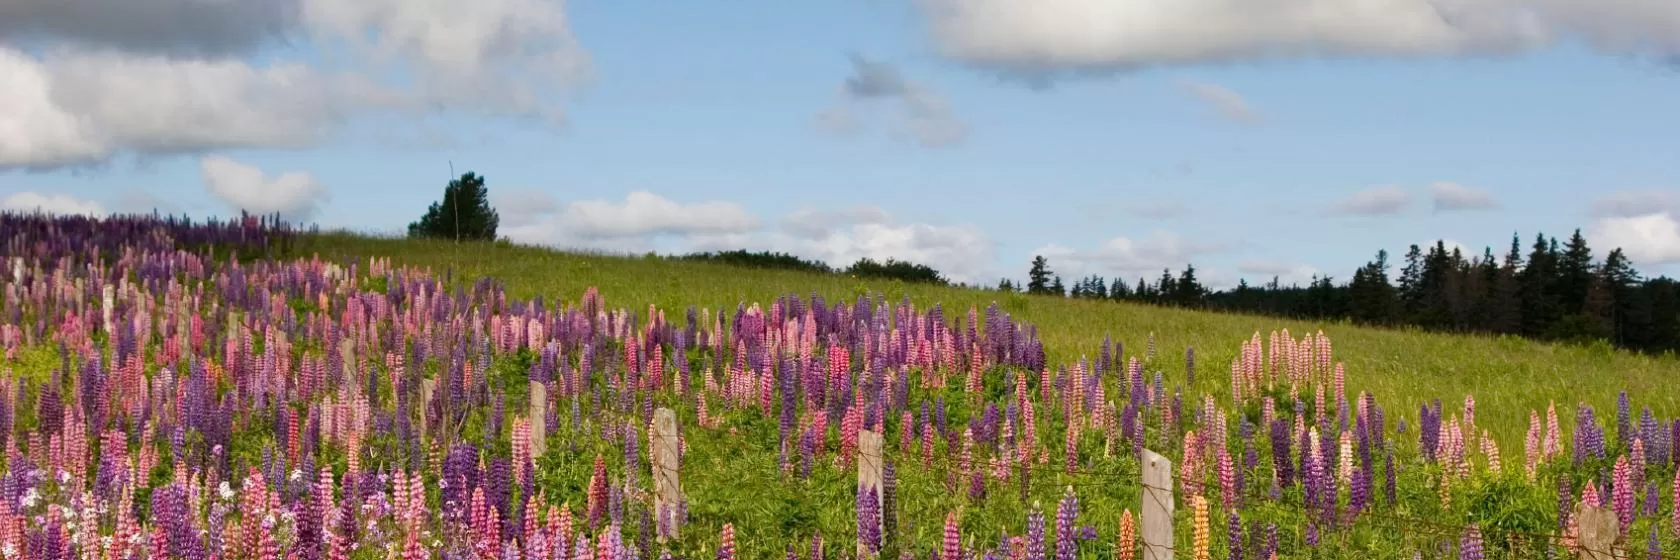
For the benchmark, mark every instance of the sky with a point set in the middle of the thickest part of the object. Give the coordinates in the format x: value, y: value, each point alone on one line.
x: 1286, y: 138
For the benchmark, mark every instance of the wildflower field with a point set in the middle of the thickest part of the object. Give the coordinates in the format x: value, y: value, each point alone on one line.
x: 240, y: 390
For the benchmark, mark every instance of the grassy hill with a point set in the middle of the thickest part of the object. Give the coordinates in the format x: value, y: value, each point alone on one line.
x: 1402, y: 368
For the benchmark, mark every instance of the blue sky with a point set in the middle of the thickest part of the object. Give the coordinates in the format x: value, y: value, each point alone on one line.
x: 1117, y: 137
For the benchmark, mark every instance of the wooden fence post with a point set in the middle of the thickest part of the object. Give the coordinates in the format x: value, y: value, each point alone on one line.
x: 1598, y: 533
x: 1157, y: 507
x: 539, y: 418
x: 870, y: 473
x: 427, y: 388
x: 667, y: 484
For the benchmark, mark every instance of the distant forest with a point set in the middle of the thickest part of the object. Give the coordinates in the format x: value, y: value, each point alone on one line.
x: 1548, y: 292
x: 1551, y: 292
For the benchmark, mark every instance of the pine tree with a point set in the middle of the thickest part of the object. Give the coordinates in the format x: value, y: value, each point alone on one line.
x: 1038, y: 277
x: 1372, y: 300
x: 1539, y: 302
x: 1187, y: 291
x: 463, y: 214
x: 1056, y: 288
x: 1412, y: 296
x: 1119, y: 290
x: 1622, y: 283
x: 1574, y: 273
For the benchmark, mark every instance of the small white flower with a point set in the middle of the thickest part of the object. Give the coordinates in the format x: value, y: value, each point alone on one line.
x: 297, y: 474
x: 63, y: 477
x: 30, y: 498
x: 225, y: 491
x: 10, y: 550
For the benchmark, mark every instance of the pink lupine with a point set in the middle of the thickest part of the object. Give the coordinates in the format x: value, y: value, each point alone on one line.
x: 726, y: 544
x: 1227, y: 481
x: 1621, y: 493
x: 1531, y: 446
x: 1553, y: 446
x: 1676, y: 501
x: 1189, y: 478
x: 953, y: 538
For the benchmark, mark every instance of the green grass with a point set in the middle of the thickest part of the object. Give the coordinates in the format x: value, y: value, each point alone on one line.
x: 1402, y: 368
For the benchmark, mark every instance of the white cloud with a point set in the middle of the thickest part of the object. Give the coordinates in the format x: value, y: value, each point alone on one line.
x: 1652, y: 238
x: 1449, y: 196
x: 102, y: 78
x: 814, y: 223
x: 536, y: 217
x: 1228, y: 104
x: 963, y: 253
x: 1126, y: 257
x: 1038, y: 37
x: 1374, y: 201
x: 927, y: 117
x: 296, y: 195
x: 62, y: 204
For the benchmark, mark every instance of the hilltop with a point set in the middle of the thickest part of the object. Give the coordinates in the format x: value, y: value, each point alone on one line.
x: 1508, y: 375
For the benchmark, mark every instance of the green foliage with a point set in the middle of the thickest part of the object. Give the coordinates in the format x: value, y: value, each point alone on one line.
x: 760, y: 259
x: 892, y: 269
x: 463, y: 214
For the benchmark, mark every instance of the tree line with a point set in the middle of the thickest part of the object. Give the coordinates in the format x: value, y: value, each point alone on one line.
x: 1546, y: 292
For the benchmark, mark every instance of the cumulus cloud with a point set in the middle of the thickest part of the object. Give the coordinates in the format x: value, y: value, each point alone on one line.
x: 1374, y: 201
x: 100, y: 78
x: 926, y: 116
x: 1127, y: 257
x: 1039, y: 37
x: 62, y: 204
x: 1228, y: 104
x: 962, y: 253
x: 633, y: 224
x: 295, y: 195
x: 1651, y: 238
x: 1645, y: 224
x: 1449, y: 196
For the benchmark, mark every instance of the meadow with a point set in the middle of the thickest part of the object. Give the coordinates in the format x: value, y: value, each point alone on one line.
x: 340, y: 396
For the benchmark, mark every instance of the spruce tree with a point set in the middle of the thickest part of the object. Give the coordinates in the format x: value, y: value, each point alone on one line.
x: 1038, y: 277
x: 464, y: 214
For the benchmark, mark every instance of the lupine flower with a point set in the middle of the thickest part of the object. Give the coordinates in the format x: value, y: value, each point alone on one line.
x: 1470, y: 545
x: 953, y: 538
x: 869, y: 520
x: 1200, y: 537
x: 1035, y: 535
x: 726, y: 545
x: 1622, y: 493
x: 1127, y: 544
x: 1234, y: 536
x: 1067, y: 512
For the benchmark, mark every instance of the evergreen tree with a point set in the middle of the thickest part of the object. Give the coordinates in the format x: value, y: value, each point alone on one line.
x: 463, y: 214
x: 1372, y: 299
x: 1187, y: 291
x: 1056, y: 288
x: 1167, y: 287
x: 1006, y: 285
x: 1412, y: 297
x: 1119, y: 290
x: 1621, y: 281
x: 1038, y: 277
x: 1574, y: 273
x: 1540, y: 308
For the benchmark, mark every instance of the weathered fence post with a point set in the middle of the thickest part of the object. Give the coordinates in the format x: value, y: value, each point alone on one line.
x: 1157, y: 507
x: 539, y: 418
x: 667, y: 484
x: 870, y: 473
x: 1598, y: 532
x: 427, y: 388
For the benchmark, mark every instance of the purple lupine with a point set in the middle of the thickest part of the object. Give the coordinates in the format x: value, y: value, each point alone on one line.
x: 1281, y: 453
x: 1359, y: 492
x: 1653, y: 499
x: 1653, y: 546
x: 1470, y: 545
x: 1067, y: 512
x: 1624, y: 421
x: 1035, y: 535
x: 1270, y: 547
x: 1190, y: 366
x: 1234, y: 536
x: 869, y: 519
